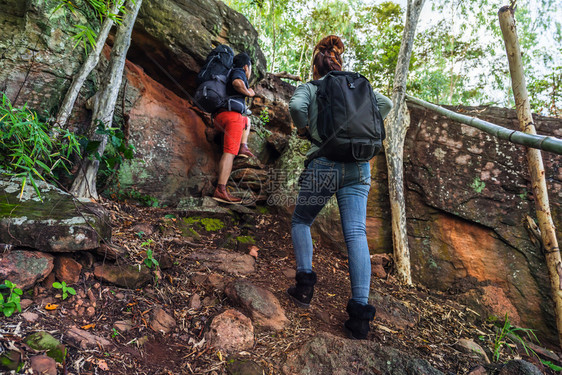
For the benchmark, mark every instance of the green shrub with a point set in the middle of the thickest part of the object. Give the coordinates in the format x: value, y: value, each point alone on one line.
x: 29, y: 150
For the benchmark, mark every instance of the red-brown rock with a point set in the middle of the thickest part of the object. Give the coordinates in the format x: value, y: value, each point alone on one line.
x: 262, y: 306
x: 42, y: 364
x: 67, y: 269
x: 25, y: 268
x: 231, y: 331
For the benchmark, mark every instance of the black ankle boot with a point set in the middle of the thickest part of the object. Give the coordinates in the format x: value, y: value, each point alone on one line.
x: 301, y: 294
x: 357, y: 326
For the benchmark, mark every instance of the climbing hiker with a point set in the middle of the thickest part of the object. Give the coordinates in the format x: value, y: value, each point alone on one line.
x: 233, y: 121
x: 342, y: 116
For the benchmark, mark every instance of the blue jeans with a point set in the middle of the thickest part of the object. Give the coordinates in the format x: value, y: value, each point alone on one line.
x: 351, y: 183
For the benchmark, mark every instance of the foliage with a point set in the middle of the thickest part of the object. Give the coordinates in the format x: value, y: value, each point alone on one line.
x: 10, y: 303
x: 65, y: 289
x: 85, y: 34
x: 458, y: 58
x: 509, y: 333
x: 29, y: 149
x: 117, y: 150
x: 150, y: 261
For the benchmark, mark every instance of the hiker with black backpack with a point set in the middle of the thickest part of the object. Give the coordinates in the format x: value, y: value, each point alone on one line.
x: 343, y: 118
x: 223, y: 88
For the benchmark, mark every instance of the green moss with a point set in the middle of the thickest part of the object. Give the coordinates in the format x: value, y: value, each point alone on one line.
x: 247, y: 240
x: 212, y: 225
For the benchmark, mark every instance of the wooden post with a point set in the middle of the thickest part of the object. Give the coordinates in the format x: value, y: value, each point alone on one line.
x: 536, y: 168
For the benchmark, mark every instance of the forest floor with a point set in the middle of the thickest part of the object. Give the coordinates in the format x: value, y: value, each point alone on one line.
x: 441, y: 321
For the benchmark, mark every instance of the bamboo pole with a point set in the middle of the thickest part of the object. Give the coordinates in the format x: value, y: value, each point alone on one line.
x: 536, y: 168
x: 543, y: 142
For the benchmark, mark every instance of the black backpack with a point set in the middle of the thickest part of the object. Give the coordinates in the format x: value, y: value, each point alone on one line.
x: 349, y: 121
x: 211, y: 93
x: 218, y: 62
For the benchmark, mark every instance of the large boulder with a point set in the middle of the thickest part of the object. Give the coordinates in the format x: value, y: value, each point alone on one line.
x: 172, y: 38
x: 58, y: 223
x: 469, y: 196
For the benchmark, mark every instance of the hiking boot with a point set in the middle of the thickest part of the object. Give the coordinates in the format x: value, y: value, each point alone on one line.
x: 245, y: 151
x: 301, y: 294
x: 357, y: 326
x: 222, y: 195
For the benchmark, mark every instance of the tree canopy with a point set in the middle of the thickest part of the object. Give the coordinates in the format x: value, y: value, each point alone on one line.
x: 457, y: 59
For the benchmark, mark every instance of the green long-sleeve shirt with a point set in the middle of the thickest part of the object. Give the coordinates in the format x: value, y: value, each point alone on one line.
x: 304, y: 110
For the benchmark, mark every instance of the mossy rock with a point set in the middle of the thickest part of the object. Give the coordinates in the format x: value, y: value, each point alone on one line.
x: 43, y: 341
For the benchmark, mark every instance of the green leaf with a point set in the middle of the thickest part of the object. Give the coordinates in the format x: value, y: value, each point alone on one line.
x: 71, y: 290
x: 57, y: 285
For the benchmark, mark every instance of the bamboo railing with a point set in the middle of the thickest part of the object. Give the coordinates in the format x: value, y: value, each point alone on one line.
x: 541, y: 142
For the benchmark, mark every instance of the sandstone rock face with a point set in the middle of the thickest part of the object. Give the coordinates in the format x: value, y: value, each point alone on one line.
x: 170, y: 42
x: 58, y: 224
x: 172, y: 38
x: 25, y: 268
x: 37, y: 54
x: 173, y: 159
x: 272, y: 98
x: 468, y: 196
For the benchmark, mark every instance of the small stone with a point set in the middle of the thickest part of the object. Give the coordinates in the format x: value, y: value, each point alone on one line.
x: 470, y: 347
x: 259, y: 303
x: 195, y: 302
x: 30, y: 317
x: 25, y: 303
x: 120, y: 296
x: 198, y: 278
x: 85, y: 340
x: 131, y: 277
x: 378, y: 271
x: 216, y: 281
x: 478, y: 370
x: 289, y: 273
x: 42, y: 364
x: 208, y: 302
x: 91, y: 295
x: 162, y: 321
x: 97, y: 285
x: 90, y: 311
x: 231, y: 331
x: 123, y: 325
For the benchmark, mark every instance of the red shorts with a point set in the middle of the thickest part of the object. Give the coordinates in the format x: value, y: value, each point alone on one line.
x: 232, y: 124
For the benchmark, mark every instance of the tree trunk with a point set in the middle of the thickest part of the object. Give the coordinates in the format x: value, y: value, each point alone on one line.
x: 396, y: 127
x: 86, y: 68
x: 84, y: 185
x: 536, y: 168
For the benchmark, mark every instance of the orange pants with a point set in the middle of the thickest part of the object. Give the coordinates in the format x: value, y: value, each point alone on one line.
x: 232, y: 124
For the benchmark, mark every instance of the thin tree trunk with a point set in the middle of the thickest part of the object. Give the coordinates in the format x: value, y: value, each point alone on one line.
x: 86, y: 68
x: 84, y: 185
x: 536, y: 168
x: 396, y: 127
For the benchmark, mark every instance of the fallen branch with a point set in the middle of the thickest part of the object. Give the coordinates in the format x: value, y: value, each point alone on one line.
x: 286, y: 75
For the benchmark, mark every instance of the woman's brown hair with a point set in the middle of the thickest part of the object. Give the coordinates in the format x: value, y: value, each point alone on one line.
x: 327, y: 56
